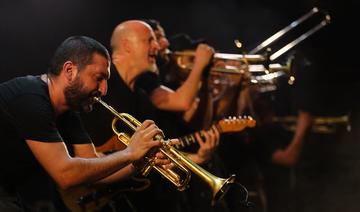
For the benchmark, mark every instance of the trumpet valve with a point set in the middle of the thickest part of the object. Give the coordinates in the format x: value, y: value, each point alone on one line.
x: 146, y: 170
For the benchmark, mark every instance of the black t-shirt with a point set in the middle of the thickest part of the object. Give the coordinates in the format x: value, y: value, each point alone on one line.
x: 123, y: 100
x: 198, y: 196
x: 26, y: 113
x: 169, y: 121
x: 137, y: 104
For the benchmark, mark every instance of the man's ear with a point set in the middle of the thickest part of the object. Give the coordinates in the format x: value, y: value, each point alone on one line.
x: 127, y: 45
x: 70, y: 70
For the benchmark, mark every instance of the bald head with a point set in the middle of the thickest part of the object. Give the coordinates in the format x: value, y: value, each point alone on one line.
x: 128, y: 30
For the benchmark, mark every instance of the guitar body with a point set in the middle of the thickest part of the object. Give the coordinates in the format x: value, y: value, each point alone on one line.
x: 95, y: 197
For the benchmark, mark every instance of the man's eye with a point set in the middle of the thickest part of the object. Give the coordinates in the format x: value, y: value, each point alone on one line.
x: 99, y: 79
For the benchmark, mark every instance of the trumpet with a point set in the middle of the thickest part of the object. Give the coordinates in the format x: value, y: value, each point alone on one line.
x: 218, y: 185
x: 252, y: 63
x: 254, y: 58
x: 185, y: 60
x: 321, y: 124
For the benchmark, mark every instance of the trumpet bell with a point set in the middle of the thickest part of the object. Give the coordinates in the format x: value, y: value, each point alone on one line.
x: 220, y: 188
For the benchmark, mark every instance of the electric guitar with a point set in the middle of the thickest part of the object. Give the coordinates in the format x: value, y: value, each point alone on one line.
x: 231, y: 124
x: 225, y: 125
x: 94, y: 197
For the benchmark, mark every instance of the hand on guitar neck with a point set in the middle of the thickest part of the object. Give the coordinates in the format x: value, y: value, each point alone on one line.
x: 231, y: 124
x: 208, y: 141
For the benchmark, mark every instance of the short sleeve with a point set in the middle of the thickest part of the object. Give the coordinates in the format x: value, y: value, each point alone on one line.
x: 34, y: 117
x: 147, y: 81
x: 71, y: 129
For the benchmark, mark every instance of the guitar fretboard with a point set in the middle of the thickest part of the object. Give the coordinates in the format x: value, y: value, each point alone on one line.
x: 231, y: 124
x: 186, y: 140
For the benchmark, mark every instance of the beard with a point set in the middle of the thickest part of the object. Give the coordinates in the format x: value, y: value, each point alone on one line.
x: 77, y: 99
x: 162, y: 60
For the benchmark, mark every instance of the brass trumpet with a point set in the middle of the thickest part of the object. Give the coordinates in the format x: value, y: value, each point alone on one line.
x: 253, y: 58
x: 218, y: 185
x: 252, y: 63
x: 185, y: 60
x: 321, y: 124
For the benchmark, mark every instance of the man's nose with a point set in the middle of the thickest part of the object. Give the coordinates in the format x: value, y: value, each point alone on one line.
x: 103, y: 88
x: 165, y: 43
x: 156, y: 45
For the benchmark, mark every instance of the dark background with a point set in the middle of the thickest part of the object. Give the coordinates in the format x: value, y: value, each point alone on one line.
x: 30, y: 30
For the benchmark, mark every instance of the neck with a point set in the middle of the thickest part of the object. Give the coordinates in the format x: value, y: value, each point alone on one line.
x: 57, y: 97
x: 126, y: 71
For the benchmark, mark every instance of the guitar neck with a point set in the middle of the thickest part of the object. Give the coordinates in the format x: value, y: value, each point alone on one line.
x: 190, y: 139
x: 186, y: 140
x: 225, y: 125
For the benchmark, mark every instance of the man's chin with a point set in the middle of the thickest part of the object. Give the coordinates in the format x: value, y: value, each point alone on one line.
x: 87, y: 108
x: 88, y: 105
x: 83, y: 108
x: 153, y: 68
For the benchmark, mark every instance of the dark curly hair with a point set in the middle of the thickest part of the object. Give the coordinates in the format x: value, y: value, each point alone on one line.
x: 79, y: 50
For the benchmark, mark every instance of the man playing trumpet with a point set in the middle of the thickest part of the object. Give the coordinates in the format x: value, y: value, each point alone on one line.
x: 41, y: 128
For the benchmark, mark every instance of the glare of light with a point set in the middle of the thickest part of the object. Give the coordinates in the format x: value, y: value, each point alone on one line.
x: 238, y: 43
x: 291, y: 80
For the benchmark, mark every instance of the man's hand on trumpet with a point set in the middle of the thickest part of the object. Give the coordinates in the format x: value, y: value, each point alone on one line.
x: 161, y: 159
x: 143, y: 140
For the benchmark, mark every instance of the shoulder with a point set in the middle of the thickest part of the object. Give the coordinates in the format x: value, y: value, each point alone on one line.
x: 24, y: 85
x: 23, y: 91
x: 148, y: 81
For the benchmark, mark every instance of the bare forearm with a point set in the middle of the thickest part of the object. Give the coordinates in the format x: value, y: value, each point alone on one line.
x: 89, y: 170
x: 187, y: 92
x: 180, y: 100
x: 290, y: 156
x: 122, y: 174
x: 303, y: 125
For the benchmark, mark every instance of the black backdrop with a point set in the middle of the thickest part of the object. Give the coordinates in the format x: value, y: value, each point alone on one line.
x: 30, y: 30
